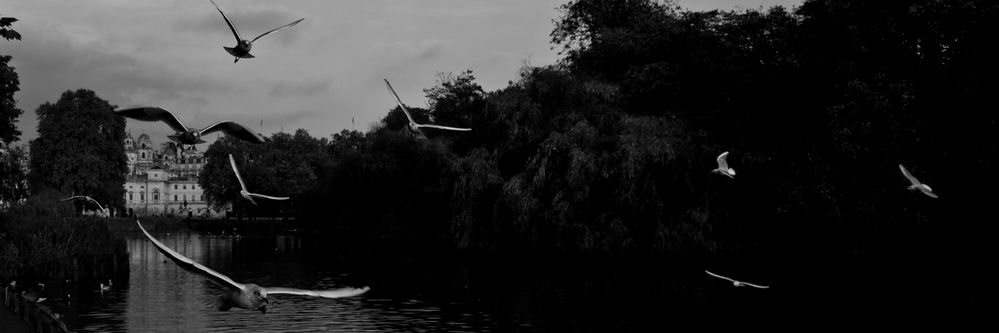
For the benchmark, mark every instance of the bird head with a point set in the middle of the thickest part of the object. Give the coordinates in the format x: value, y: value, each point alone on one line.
x: 258, y: 297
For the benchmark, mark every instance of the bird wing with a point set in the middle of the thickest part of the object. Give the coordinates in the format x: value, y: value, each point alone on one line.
x: 73, y: 197
x: 329, y: 293
x: 234, y: 129
x: 755, y: 285
x: 95, y: 202
x: 399, y: 101
x: 721, y: 161
x: 908, y: 175
x: 444, y: 127
x: 928, y: 191
x: 152, y: 113
x: 190, y: 265
x: 236, y: 170
x: 268, y: 197
x: 232, y: 27
x: 718, y: 276
x: 276, y: 29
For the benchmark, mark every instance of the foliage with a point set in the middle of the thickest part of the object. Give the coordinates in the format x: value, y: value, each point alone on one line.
x: 13, y: 180
x: 6, y: 31
x: 9, y: 84
x: 79, y: 149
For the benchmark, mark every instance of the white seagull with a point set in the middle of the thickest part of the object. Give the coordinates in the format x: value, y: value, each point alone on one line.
x: 247, y: 296
x: 723, y: 168
x: 413, y: 126
x: 105, y: 210
x: 916, y: 185
x: 736, y: 282
x: 242, y: 48
x: 187, y: 135
x: 242, y: 186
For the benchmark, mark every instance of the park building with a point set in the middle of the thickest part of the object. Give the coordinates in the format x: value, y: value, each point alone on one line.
x: 163, y: 181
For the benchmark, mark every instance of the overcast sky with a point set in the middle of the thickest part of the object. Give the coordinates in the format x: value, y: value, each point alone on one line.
x: 316, y: 75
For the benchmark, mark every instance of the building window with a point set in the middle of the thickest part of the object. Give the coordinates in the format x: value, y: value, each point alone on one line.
x: 156, y: 197
x: 174, y: 197
x: 142, y: 196
x: 130, y: 196
x: 175, y: 186
x: 185, y: 187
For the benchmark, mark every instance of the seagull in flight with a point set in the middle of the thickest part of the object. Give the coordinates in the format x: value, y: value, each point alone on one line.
x: 242, y: 186
x: 916, y: 185
x: 413, y: 126
x: 242, y: 48
x: 736, y: 282
x: 187, y: 135
x: 247, y: 296
x: 723, y: 168
x: 83, y: 197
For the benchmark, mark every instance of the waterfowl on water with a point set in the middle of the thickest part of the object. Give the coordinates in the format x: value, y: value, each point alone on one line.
x: 247, y: 296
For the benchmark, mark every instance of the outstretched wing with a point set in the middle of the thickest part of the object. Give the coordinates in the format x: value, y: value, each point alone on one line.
x: 399, y: 101
x: 718, y: 276
x: 235, y: 130
x: 444, y: 127
x: 232, y: 27
x: 268, y: 197
x: 152, y: 113
x: 191, y: 265
x: 236, y: 170
x: 276, y: 29
x: 330, y: 293
x: 755, y: 285
x: 74, y: 197
x: 908, y: 175
x: 721, y: 161
x: 928, y: 191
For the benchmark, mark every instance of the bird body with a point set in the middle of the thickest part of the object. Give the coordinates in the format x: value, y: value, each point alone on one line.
x: 188, y: 135
x: 413, y: 125
x: 916, y: 185
x: 247, y: 296
x: 723, y: 168
x: 243, y: 46
x: 736, y: 283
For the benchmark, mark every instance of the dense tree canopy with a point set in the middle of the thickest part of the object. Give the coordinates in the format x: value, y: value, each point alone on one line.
x: 79, y: 149
x: 9, y: 84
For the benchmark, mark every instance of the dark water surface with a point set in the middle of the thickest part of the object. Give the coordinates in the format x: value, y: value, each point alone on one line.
x: 450, y: 294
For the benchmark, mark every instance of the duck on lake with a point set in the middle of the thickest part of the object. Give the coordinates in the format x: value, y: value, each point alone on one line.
x: 247, y: 296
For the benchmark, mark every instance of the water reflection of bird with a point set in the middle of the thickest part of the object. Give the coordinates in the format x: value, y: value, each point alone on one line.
x: 413, y: 126
x: 242, y: 186
x: 736, y: 282
x: 242, y: 48
x: 247, y: 296
x: 723, y: 168
x: 84, y: 197
x: 916, y: 185
x: 187, y: 135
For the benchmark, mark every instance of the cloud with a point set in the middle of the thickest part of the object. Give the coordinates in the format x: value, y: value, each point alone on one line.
x: 304, y: 87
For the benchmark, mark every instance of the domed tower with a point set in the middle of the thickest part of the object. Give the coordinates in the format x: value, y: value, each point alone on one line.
x: 130, y: 153
x: 144, y: 153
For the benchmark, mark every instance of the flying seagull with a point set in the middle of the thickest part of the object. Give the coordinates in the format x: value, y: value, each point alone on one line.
x: 83, y: 197
x: 242, y: 186
x: 242, y: 49
x: 413, y: 126
x: 723, y: 168
x: 736, y: 282
x: 916, y: 185
x: 247, y: 296
x: 187, y: 135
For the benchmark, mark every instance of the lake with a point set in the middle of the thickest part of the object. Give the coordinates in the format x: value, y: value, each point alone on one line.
x: 444, y: 294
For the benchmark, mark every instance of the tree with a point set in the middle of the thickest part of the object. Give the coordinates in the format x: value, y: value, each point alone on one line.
x: 79, y: 148
x: 6, y: 31
x: 13, y: 181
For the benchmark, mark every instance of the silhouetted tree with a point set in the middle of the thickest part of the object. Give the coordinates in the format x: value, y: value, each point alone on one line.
x: 79, y: 148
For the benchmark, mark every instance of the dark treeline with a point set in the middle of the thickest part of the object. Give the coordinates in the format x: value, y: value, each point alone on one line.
x: 609, y: 151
